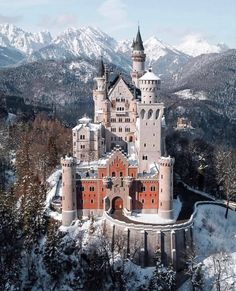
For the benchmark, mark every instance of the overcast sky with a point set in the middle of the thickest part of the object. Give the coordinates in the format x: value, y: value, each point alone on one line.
x: 169, y: 20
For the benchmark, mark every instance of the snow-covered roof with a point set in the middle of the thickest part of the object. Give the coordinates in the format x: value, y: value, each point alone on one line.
x: 91, y: 126
x: 149, y: 76
x: 77, y: 127
x: 85, y: 119
x: 94, y: 126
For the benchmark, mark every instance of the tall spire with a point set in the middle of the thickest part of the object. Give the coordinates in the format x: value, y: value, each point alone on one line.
x: 101, y: 68
x: 138, y: 43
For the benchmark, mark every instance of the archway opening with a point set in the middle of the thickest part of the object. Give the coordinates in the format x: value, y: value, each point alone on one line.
x: 117, y: 203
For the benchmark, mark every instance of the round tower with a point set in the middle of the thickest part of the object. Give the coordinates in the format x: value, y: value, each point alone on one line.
x: 69, y: 203
x: 138, y: 58
x: 149, y: 85
x: 99, y: 92
x: 165, y: 209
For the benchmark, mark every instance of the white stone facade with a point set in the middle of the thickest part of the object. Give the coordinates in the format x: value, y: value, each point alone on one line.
x: 127, y: 115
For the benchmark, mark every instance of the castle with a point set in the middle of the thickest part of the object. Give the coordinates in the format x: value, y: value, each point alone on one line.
x: 118, y: 159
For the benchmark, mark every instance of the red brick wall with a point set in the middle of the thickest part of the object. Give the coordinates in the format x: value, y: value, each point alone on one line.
x: 118, y: 167
x: 145, y: 198
x: 141, y: 199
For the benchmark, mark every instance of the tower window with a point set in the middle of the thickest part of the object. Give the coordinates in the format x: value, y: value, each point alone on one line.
x: 153, y: 188
x: 152, y: 200
x: 143, y: 188
x: 143, y: 201
x: 144, y: 144
x: 113, y: 174
x: 91, y: 188
x: 91, y: 201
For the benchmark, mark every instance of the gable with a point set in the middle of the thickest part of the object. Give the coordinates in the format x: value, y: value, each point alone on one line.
x: 120, y: 90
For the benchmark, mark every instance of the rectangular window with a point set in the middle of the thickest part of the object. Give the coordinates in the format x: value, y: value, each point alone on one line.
x: 91, y: 188
x: 143, y: 188
x: 113, y: 129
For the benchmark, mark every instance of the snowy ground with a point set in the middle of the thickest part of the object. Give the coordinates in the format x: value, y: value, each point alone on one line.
x: 54, y: 184
x: 136, y: 277
x: 215, y: 243
x: 155, y: 218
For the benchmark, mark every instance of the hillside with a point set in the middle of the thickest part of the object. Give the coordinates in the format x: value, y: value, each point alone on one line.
x: 215, y: 249
x: 209, y: 77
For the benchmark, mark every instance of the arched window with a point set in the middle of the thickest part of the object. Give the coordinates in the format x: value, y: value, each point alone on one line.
x: 142, y: 113
x: 150, y: 112
x: 113, y: 174
x: 157, y: 113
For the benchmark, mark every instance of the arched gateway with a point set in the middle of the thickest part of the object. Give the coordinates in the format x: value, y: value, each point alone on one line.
x: 117, y: 203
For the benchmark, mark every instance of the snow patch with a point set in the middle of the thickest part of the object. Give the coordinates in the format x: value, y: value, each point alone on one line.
x: 155, y: 218
x: 189, y: 94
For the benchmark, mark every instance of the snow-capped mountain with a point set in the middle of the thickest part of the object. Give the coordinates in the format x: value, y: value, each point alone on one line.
x: 26, y: 42
x: 195, y: 45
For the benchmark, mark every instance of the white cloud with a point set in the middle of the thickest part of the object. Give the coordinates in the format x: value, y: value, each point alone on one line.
x: 60, y: 22
x: 114, y: 12
x: 10, y: 19
x: 27, y: 3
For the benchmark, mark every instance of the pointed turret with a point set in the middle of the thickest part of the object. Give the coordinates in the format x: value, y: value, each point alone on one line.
x: 138, y: 57
x: 101, y: 69
x: 138, y: 43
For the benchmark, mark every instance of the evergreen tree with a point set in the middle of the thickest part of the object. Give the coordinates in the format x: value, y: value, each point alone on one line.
x: 52, y: 257
x: 163, y: 278
x: 9, y: 241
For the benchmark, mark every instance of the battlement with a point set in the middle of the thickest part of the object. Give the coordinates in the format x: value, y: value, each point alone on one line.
x: 68, y: 161
x: 166, y: 161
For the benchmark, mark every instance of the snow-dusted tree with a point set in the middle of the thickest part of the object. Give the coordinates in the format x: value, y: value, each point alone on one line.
x: 225, y: 163
x: 52, y: 256
x: 194, y: 270
x: 163, y: 278
x: 10, y: 243
x: 33, y: 213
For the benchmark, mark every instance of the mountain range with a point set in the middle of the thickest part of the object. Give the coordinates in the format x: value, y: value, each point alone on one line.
x: 91, y: 43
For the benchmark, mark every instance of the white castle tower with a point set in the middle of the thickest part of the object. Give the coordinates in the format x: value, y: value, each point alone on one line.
x: 99, y: 92
x: 138, y: 57
x: 166, y: 187
x: 150, y: 113
x: 69, y: 203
